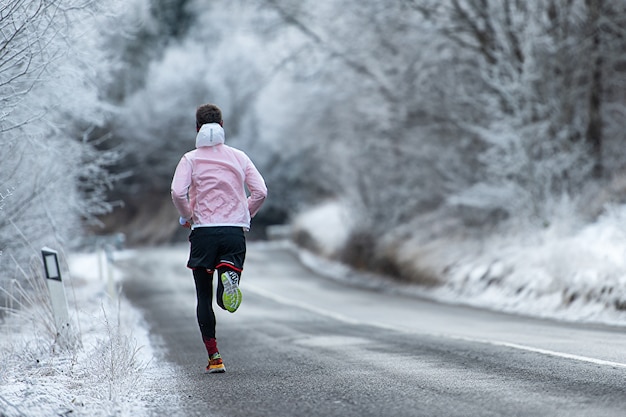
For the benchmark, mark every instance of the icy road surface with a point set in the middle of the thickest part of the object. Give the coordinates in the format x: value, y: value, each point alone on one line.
x: 304, y: 345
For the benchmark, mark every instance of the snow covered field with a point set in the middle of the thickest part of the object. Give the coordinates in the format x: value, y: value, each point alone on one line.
x: 113, y: 371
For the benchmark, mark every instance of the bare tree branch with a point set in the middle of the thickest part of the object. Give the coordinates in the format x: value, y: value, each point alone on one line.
x: 357, y: 66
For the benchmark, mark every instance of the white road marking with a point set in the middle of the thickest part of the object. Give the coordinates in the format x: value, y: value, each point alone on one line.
x: 348, y: 320
x: 543, y: 351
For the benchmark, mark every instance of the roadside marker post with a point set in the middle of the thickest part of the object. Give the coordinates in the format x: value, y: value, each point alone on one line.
x: 57, y: 295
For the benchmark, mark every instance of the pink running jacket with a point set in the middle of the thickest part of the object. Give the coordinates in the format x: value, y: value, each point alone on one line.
x: 208, y: 185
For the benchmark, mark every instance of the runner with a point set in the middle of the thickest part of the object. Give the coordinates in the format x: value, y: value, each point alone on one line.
x: 209, y: 194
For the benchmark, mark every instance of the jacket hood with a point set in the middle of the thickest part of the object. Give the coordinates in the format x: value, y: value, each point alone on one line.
x: 210, y: 134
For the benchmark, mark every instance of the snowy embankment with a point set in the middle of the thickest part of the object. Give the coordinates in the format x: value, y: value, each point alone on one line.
x: 566, y: 271
x: 109, y: 371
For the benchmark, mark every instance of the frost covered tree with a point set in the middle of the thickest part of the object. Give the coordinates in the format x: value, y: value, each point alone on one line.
x: 531, y: 98
x: 147, y: 29
x: 52, y: 176
x: 369, y: 114
x: 373, y: 105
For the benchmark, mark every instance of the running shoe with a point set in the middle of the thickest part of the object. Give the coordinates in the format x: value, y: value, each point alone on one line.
x: 216, y: 365
x: 232, y: 294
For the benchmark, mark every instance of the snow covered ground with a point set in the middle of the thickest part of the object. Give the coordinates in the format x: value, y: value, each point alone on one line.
x: 569, y: 271
x: 112, y: 371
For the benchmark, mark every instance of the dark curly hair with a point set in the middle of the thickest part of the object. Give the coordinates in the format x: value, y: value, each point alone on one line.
x: 208, y: 113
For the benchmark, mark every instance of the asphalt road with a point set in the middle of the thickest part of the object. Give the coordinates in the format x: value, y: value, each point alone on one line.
x: 304, y: 345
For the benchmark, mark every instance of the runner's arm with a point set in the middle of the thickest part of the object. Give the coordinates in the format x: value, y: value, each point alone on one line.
x: 257, y: 187
x: 180, y: 188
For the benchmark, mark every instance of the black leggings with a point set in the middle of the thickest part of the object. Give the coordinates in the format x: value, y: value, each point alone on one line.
x: 204, y: 309
x: 204, y: 294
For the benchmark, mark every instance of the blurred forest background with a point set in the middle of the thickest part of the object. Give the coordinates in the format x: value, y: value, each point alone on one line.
x: 428, y: 120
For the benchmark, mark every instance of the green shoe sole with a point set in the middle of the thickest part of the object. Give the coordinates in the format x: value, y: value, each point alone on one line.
x: 232, y: 294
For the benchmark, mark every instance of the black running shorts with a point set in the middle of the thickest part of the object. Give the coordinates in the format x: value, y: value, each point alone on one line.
x: 211, y: 246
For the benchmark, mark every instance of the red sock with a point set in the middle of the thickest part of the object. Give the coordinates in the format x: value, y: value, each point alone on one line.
x: 211, y: 346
